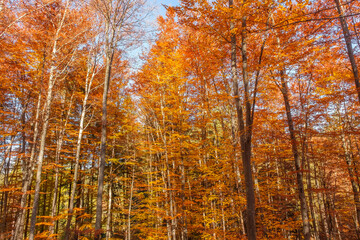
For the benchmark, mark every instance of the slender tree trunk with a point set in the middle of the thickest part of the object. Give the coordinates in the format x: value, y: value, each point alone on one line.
x: 19, y: 228
x: 184, y: 228
x: 28, y: 172
x: 27, y: 216
x: 167, y: 176
x: 322, y: 212
x: 4, y: 202
x: 88, y: 83
x: 354, y: 24
x: 109, y: 213
x: 102, y: 161
x: 52, y: 79
x: 354, y: 185
x: 43, y: 201
x: 349, y: 47
x: 308, y: 176
x: 58, y: 207
x: 311, y: 201
x: 57, y: 159
x: 130, y: 204
x: 299, y: 175
x: 25, y: 164
x: 109, y: 210
x: 245, y: 130
x: 41, y: 154
x: 8, y: 150
x: 56, y: 186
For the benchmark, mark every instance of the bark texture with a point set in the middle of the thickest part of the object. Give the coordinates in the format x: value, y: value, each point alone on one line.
x: 245, y: 127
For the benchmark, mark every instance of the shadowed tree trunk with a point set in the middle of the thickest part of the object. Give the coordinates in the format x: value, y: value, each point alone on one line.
x: 349, y: 46
x: 19, y: 224
x: 245, y: 127
x: 118, y: 16
x: 109, y: 59
x: 298, y: 168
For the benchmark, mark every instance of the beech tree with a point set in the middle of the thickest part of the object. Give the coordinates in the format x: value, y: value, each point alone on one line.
x: 119, y: 18
x: 239, y: 121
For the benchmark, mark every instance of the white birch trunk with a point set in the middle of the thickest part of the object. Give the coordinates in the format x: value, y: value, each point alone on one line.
x: 49, y: 97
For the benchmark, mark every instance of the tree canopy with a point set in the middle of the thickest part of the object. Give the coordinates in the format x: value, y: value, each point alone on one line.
x: 240, y: 120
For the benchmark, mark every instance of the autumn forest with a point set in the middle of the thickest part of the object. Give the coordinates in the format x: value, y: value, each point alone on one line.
x: 219, y: 119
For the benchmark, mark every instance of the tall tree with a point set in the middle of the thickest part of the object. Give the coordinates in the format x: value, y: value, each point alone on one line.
x: 91, y: 70
x: 46, y: 114
x: 245, y: 127
x: 119, y: 19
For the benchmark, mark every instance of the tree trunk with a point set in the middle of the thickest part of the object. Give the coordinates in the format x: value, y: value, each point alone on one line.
x: 28, y: 172
x: 19, y: 228
x: 41, y: 153
x: 57, y: 158
x: 130, y: 205
x: 299, y: 175
x: 43, y: 201
x: 88, y: 83
x: 354, y: 185
x: 45, y: 125
x: 349, y: 47
x: 109, y: 213
x: 109, y: 60
x: 311, y: 201
x: 245, y: 130
x: 5, y: 195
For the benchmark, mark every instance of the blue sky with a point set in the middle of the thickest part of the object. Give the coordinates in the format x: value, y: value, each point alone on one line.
x: 156, y: 9
x: 160, y: 9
